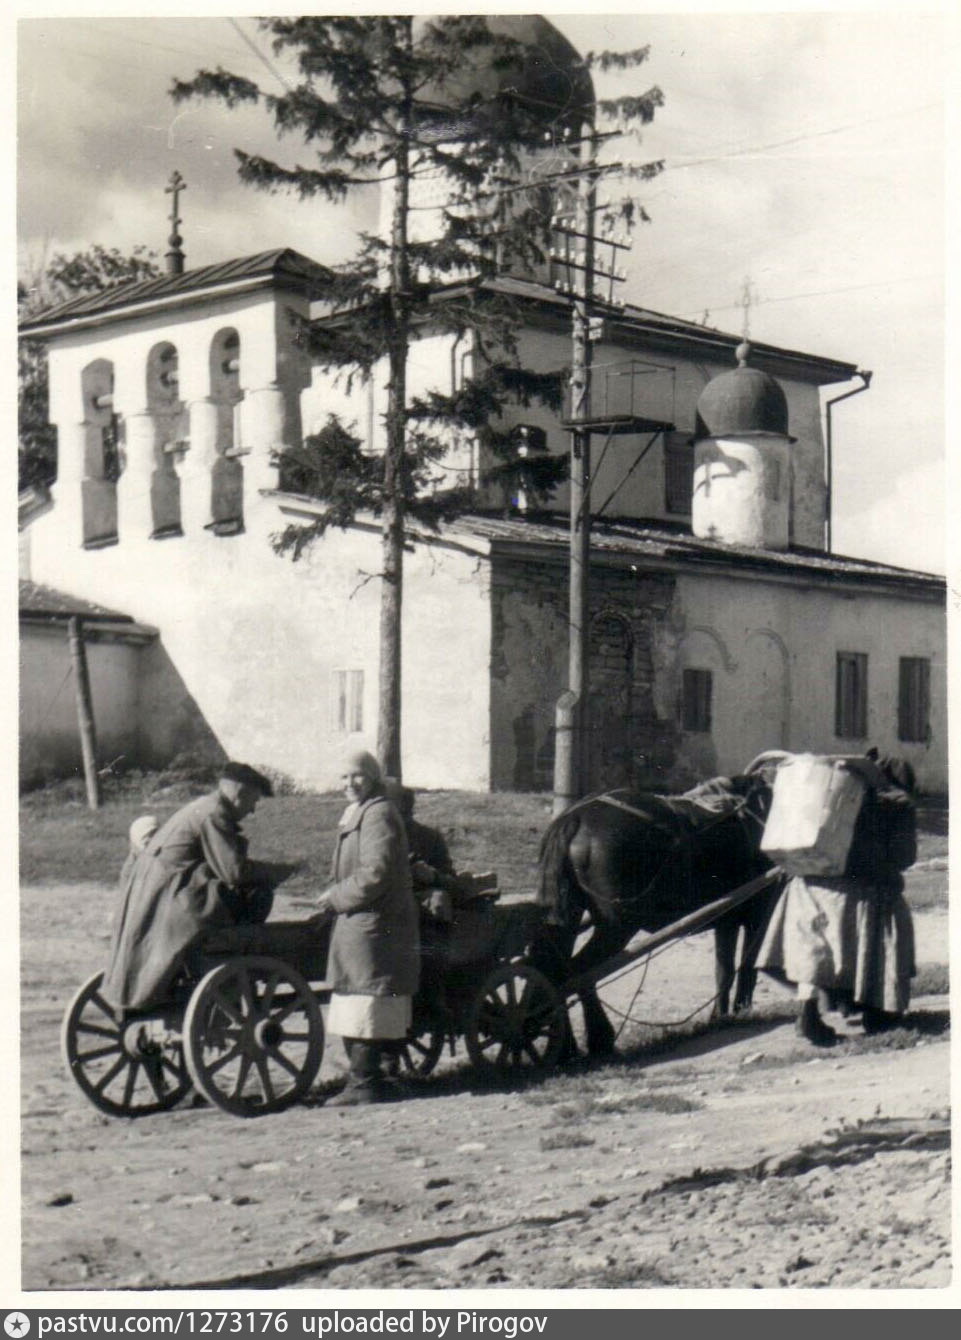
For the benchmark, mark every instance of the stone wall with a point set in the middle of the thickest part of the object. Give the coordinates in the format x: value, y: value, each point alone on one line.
x: 634, y: 735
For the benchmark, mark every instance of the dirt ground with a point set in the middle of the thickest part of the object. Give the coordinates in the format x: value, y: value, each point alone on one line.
x: 741, y: 1158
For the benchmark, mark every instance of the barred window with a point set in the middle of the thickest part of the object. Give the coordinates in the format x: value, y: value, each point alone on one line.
x: 678, y: 474
x: 696, y: 690
x: 914, y: 699
x: 851, y: 695
x: 348, y: 701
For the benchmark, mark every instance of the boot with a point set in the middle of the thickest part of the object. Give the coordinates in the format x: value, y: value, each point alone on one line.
x: 811, y: 1026
x: 365, y: 1083
x: 877, y: 1021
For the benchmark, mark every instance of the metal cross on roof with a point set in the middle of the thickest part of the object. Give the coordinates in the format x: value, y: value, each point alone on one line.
x: 175, y: 256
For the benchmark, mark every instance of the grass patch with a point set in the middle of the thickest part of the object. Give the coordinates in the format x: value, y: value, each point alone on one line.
x: 61, y: 841
x: 630, y: 1275
x: 565, y: 1140
x: 617, y: 1104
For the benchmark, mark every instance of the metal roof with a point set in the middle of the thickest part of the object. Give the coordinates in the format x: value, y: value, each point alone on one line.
x: 650, y: 541
x: 45, y: 602
x: 281, y: 264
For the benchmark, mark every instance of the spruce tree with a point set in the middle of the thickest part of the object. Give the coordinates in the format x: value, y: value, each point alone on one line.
x: 385, y: 100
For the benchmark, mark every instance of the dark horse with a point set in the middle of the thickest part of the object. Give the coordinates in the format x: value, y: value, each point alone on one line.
x: 635, y: 861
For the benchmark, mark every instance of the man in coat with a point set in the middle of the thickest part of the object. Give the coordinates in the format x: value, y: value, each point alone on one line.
x: 374, y: 959
x: 192, y: 875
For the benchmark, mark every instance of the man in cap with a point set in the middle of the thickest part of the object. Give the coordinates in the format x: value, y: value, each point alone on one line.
x: 191, y: 875
x: 374, y: 958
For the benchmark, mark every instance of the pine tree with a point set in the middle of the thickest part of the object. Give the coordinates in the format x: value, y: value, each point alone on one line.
x: 385, y: 100
x: 63, y: 277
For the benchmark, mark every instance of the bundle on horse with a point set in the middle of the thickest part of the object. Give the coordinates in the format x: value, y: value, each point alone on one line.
x: 634, y: 861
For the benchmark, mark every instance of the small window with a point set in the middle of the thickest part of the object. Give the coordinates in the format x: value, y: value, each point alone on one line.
x: 696, y: 689
x: 678, y: 474
x: 914, y: 699
x: 851, y: 696
x: 348, y: 701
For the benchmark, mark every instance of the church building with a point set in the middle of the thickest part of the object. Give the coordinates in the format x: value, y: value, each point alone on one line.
x: 720, y: 624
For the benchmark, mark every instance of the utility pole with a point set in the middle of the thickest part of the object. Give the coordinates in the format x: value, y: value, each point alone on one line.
x: 85, y: 722
x: 574, y: 251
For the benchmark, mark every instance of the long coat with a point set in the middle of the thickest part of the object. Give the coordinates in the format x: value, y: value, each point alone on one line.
x: 374, y: 948
x: 854, y: 932
x: 187, y: 880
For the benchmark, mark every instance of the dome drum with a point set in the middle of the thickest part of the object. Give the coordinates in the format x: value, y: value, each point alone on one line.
x: 742, y: 461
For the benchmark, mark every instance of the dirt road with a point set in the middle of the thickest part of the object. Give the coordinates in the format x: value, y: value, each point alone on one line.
x: 740, y: 1159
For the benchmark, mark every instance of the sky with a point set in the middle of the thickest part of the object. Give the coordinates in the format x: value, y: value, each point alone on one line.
x: 804, y: 166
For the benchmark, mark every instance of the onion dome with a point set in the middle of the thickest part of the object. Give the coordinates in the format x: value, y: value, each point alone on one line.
x: 552, y: 79
x: 742, y: 403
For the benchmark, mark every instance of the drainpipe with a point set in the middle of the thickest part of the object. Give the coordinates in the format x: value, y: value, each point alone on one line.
x: 828, y: 464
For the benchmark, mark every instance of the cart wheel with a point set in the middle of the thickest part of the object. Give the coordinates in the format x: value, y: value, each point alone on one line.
x: 127, y: 1070
x: 517, y: 1019
x: 253, y: 1036
x: 420, y: 1051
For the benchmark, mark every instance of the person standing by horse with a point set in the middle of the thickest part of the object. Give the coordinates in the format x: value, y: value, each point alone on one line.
x: 852, y: 935
x: 373, y: 963
x: 188, y: 876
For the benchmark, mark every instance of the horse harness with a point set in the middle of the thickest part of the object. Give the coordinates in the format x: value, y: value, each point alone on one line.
x: 682, y: 842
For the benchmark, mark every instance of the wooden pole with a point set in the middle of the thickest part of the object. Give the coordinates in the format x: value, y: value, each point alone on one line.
x: 85, y: 722
x: 570, y: 770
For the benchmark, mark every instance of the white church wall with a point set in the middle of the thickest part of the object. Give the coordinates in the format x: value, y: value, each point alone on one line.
x: 435, y: 363
x: 446, y: 730
x: 772, y: 647
x: 276, y: 662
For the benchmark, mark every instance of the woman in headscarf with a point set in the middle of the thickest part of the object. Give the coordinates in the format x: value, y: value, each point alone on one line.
x: 374, y: 958
x: 852, y: 936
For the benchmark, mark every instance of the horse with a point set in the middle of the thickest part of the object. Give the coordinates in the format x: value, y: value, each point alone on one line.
x: 636, y: 861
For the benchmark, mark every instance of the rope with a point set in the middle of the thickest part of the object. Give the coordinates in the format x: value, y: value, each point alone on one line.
x: 627, y: 1017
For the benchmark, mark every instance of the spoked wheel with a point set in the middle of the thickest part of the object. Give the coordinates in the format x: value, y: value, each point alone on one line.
x: 127, y: 1070
x: 253, y: 1036
x: 517, y: 1020
x: 420, y: 1050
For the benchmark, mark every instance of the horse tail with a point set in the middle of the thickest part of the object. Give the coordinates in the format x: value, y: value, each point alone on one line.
x: 558, y: 888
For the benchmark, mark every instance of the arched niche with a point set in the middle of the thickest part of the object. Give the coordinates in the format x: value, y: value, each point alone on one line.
x: 171, y: 430
x: 766, y: 665
x: 227, y: 473
x: 101, y: 454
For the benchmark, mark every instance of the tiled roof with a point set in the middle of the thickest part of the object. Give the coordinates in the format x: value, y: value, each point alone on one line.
x: 651, y: 541
x: 51, y: 604
x: 282, y: 263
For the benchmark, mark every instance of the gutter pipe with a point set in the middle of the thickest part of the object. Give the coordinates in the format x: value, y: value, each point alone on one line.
x: 828, y: 451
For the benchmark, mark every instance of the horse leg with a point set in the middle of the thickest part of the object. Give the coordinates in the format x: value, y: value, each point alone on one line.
x: 725, y: 952
x: 605, y: 941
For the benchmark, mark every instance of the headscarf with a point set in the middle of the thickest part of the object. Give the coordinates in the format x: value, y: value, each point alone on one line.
x: 362, y: 760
